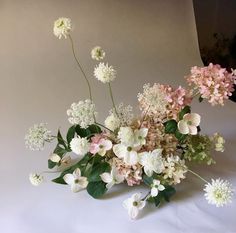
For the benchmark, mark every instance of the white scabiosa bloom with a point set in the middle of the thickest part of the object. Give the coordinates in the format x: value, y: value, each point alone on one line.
x: 134, y: 204
x: 152, y: 162
x: 35, y: 179
x: 36, y: 137
x: 62, y: 27
x: 97, y: 53
x: 80, y: 146
x: 104, y: 73
x: 219, y: 192
x: 76, y: 181
x: 82, y: 113
x: 112, y: 122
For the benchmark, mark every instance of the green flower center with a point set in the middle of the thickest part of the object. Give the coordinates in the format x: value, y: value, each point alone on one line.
x: 135, y: 203
x: 129, y: 148
x: 189, y: 122
x: 76, y: 181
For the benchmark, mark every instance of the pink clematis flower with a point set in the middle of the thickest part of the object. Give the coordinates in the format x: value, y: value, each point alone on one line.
x: 100, y: 145
x: 189, y: 123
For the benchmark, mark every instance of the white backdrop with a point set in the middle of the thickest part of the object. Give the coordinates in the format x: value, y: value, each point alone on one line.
x: 146, y: 41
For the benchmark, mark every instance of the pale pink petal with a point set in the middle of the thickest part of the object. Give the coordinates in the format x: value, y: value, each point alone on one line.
x: 183, y: 127
x: 192, y: 130
x: 107, y: 144
x: 195, y: 119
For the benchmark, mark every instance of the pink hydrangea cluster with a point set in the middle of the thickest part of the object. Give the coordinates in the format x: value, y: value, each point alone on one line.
x: 213, y: 83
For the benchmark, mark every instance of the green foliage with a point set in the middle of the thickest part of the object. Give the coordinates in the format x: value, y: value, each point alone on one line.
x: 170, y: 126
x: 200, y: 99
x: 88, y: 132
x: 198, y: 149
x: 181, y: 137
x: 96, y: 189
x: 184, y: 111
x: 70, y: 134
x: 164, y: 195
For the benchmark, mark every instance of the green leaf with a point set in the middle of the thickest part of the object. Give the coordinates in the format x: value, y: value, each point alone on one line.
x: 60, y: 139
x: 185, y: 110
x: 181, y: 137
x: 170, y: 126
x: 147, y: 180
x: 96, y: 189
x: 70, y: 134
x: 168, y: 192
x: 81, y: 131
x: 59, y: 180
x: 59, y: 151
x: 200, y: 99
x: 94, y: 129
x: 51, y: 164
x: 97, y: 170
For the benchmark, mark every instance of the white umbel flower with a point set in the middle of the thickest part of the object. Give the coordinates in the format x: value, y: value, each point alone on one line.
x: 80, y: 146
x: 112, y: 122
x: 134, y: 204
x: 97, y: 53
x: 36, y: 137
x: 82, y: 113
x: 104, y: 73
x: 62, y: 27
x: 35, y: 179
x: 219, y: 192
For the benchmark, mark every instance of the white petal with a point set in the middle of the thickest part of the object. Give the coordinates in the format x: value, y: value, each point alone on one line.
x: 109, y: 185
x: 148, y: 171
x: 133, y: 212
x: 195, y: 119
x: 154, y: 192
x: 161, y: 187
x: 75, y: 188
x: 183, y: 127
x: 106, y: 177
x: 83, y: 182
x: 55, y: 158
x: 131, y: 158
x: 156, y: 182
x: 69, y: 179
x: 142, y: 157
x: 119, y: 150
x: 77, y: 172
x: 136, y: 197
x: 141, y: 205
x: 107, y: 144
x: 192, y: 130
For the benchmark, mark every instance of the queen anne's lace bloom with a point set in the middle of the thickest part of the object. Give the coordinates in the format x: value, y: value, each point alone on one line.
x: 213, y: 82
x: 97, y: 53
x: 37, y: 136
x: 104, y: 73
x: 62, y: 27
x: 218, y: 192
x: 82, y: 113
x: 35, y: 179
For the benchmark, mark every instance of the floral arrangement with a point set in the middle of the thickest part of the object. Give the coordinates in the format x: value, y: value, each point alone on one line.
x: 156, y: 147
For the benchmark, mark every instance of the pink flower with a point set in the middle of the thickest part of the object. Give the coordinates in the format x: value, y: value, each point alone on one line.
x: 189, y: 123
x: 100, y: 145
x: 213, y: 83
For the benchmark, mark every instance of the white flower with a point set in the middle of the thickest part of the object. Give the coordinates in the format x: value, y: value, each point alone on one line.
x: 124, y: 113
x: 152, y: 162
x: 219, y: 192
x: 76, y: 181
x: 189, y: 123
x: 112, y: 178
x: 79, y: 146
x: 55, y: 158
x: 112, y: 122
x: 175, y: 169
x: 82, y: 113
x: 219, y: 142
x: 139, y: 136
x: 62, y: 27
x: 134, y: 204
x: 104, y: 73
x: 101, y: 147
x: 156, y: 187
x: 126, y: 136
x: 37, y: 136
x: 35, y: 179
x: 97, y: 53
x: 127, y: 153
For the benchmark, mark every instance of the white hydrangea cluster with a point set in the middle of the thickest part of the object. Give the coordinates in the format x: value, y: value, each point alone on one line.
x: 125, y: 114
x: 36, y: 137
x: 82, y: 113
x: 35, y: 179
x: 62, y: 27
x: 97, y: 53
x: 104, y: 73
x: 175, y: 169
x: 79, y: 146
x: 219, y: 192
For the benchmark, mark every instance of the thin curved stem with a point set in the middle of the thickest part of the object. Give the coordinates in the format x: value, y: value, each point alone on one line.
x: 194, y: 173
x: 112, y: 99
x: 104, y: 127
x: 80, y: 67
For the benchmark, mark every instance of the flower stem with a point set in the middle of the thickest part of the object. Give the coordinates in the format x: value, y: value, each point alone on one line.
x: 194, y: 173
x: 147, y: 196
x: 80, y: 67
x: 112, y: 99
